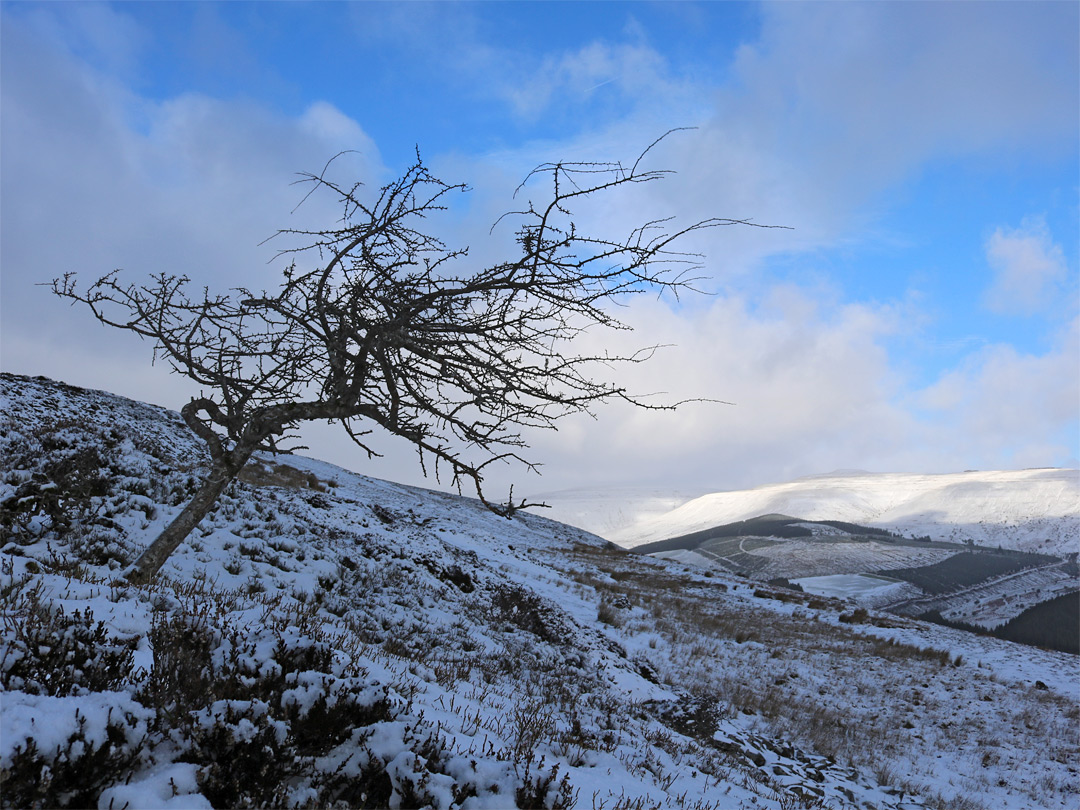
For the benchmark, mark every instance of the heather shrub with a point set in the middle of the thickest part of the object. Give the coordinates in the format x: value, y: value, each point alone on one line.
x: 45, y: 651
x: 544, y: 790
x: 94, y: 751
x: 524, y: 609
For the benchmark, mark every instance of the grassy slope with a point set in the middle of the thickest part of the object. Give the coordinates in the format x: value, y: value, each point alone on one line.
x: 467, y: 655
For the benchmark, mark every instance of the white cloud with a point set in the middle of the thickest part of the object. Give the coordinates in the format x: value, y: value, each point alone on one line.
x: 1028, y: 266
x: 95, y: 32
x: 833, y: 105
x: 95, y: 177
x: 813, y: 389
x: 1002, y: 408
x: 888, y: 83
x: 589, y: 76
x: 810, y: 385
x: 327, y: 123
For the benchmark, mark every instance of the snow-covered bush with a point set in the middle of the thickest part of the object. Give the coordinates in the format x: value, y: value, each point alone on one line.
x: 523, y: 609
x: 63, y: 751
x: 60, y: 479
x: 45, y: 651
x: 272, y: 717
x: 544, y: 790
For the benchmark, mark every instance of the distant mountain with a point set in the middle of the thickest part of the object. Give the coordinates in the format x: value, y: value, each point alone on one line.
x: 1026, y: 510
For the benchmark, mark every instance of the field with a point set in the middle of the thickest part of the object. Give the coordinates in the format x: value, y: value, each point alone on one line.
x: 1054, y: 624
x: 819, y: 555
x: 958, y: 584
x: 850, y: 586
x: 964, y: 570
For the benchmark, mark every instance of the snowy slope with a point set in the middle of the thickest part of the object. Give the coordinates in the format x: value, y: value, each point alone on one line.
x: 1027, y: 510
x: 335, y: 638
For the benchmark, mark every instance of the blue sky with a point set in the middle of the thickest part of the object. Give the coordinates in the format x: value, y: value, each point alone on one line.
x: 920, y: 314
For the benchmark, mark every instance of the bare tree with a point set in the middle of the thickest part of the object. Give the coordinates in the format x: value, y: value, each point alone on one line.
x: 390, y: 328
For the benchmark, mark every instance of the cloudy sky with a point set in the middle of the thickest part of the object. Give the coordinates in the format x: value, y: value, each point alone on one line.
x: 919, y: 314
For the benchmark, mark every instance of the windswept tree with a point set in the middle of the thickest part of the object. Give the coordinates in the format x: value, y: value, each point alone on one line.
x: 378, y: 324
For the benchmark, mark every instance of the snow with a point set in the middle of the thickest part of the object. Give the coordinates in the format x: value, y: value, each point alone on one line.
x: 520, y: 644
x: 173, y: 786
x: 51, y: 721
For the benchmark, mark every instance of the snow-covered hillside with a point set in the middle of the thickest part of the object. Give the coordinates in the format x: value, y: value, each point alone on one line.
x: 329, y: 640
x: 1026, y: 510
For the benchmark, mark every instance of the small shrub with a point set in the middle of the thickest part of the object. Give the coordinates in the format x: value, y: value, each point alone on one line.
x: 243, y: 754
x: 544, y: 790
x: 453, y: 575
x: 696, y: 716
x: 259, y: 474
x: 522, y: 608
x: 857, y: 616
x: 234, y: 565
x: 66, y: 485
x: 47, y: 652
x: 606, y: 614
x: 257, y: 726
x: 530, y: 725
x: 386, y: 516
x: 74, y: 774
x: 182, y: 678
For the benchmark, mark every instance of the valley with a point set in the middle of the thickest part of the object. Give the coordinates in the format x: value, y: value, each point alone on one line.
x: 963, y: 584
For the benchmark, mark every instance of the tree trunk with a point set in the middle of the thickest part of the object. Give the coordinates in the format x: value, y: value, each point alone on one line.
x: 174, y: 534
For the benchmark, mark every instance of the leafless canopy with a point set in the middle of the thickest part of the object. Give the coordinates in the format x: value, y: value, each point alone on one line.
x: 378, y: 324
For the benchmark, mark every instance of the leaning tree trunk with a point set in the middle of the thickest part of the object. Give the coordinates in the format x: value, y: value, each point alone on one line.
x: 151, y: 560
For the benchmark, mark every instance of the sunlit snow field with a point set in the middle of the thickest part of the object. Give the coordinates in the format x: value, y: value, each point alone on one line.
x: 849, y: 586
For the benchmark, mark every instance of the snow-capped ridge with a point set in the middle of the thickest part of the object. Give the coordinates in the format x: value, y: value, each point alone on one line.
x: 1025, y: 510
